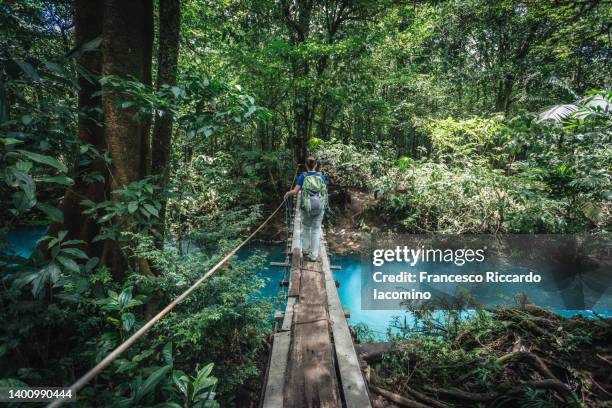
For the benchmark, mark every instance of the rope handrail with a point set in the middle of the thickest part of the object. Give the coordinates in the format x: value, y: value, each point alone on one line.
x: 81, y: 382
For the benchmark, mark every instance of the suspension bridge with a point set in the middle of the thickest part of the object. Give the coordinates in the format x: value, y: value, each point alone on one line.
x: 313, y: 362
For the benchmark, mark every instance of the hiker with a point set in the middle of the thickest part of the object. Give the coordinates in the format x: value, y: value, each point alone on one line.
x: 313, y: 185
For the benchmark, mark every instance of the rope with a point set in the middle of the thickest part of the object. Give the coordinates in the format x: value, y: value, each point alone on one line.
x: 81, y: 382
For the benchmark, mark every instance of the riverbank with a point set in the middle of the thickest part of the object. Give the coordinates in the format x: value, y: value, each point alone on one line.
x: 501, y: 357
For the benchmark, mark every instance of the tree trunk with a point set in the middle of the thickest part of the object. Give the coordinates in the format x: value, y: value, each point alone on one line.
x: 126, y: 46
x: 127, y: 49
x: 169, y: 30
x: 167, y: 63
x: 88, y: 17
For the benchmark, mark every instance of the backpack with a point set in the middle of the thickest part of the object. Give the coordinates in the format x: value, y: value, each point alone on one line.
x: 314, y: 194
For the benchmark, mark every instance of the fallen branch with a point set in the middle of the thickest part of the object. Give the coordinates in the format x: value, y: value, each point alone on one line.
x: 464, y: 395
x: 398, y: 399
x: 555, y: 385
x: 426, y: 399
x: 551, y: 384
x: 534, y: 360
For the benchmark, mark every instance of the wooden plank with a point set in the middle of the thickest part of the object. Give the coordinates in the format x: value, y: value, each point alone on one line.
x: 296, y: 273
x: 353, y: 384
x: 288, y: 320
x: 273, y: 397
x: 311, y: 377
x: 312, y: 285
x: 280, y: 264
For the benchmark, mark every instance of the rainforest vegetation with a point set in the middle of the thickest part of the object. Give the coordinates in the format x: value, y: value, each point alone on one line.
x: 151, y: 136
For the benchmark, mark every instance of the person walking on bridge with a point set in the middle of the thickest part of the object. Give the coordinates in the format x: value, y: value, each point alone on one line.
x: 313, y: 186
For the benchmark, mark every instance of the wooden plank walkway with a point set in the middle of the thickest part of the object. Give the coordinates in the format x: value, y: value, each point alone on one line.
x: 309, y: 351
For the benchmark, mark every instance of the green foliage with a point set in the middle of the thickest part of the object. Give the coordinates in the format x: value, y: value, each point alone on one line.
x: 57, y: 269
x: 469, y: 139
x: 63, y: 311
x: 203, y: 107
x: 397, y: 100
x: 119, y: 306
x: 198, y: 391
x: 139, y: 201
x: 363, y: 333
x: 314, y: 143
x: 351, y: 166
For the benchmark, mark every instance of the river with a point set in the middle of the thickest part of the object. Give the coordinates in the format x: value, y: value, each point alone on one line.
x: 23, y: 240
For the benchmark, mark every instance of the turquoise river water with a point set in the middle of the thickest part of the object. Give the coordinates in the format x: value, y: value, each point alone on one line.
x: 23, y: 240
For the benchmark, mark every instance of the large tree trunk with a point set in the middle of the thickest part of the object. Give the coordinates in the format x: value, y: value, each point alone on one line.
x: 127, y: 49
x: 167, y: 63
x: 88, y: 17
x: 126, y: 29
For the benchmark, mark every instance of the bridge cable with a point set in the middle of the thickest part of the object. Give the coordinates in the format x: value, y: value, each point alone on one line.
x: 81, y: 382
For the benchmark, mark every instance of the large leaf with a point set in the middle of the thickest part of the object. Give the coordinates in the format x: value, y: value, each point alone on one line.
x: 149, y: 384
x: 128, y: 319
x: 51, y: 272
x: 63, y: 180
x: 89, y: 46
x: 23, y: 201
x: 68, y: 263
x: 151, y: 209
x: 579, y: 109
x: 558, y: 113
x: 92, y: 263
x: 125, y: 297
x: 75, y: 252
x: 52, y: 212
x: 132, y: 206
x: 167, y: 353
x: 49, y: 161
x: 54, y: 272
x: 203, y: 382
x: 181, y: 381
x: 28, y: 70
